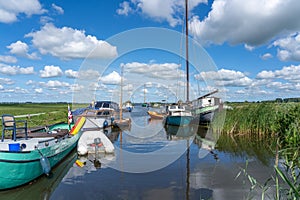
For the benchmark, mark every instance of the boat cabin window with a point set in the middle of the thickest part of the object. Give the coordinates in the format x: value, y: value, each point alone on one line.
x: 106, y: 104
x: 103, y: 113
x: 173, y: 107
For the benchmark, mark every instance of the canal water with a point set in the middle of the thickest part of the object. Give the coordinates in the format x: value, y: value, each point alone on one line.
x: 156, y: 162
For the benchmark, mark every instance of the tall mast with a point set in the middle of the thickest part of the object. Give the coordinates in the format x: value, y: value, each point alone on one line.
x: 144, y: 93
x: 187, y: 51
x: 121, y: 95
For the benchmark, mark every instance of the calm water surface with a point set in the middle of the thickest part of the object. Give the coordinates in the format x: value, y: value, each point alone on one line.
x: 154, y: 162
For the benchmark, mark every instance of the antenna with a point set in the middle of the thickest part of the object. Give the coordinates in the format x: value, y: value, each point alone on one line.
x: 187, y: 51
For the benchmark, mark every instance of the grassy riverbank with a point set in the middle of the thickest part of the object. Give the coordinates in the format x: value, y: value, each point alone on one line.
x: 274, y: 120
x: 267, y: 119
x: 49, y: 113
x: 279, y: 121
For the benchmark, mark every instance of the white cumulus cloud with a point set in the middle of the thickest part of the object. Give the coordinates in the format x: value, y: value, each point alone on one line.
x: 113, y: 78
x: 38, y: 90
x: 288, y: 48
x: 289, y: 73
x: 225, y: 77
x: 71, y: 74
x: 265, y: 75
x: 6, y: 81
x: 54, y: 84
x: 13, y: 70
x: 51, y: 71
x: 8, y: 59
x: 21, y: 49
x: 69, y: 43
x: 266, y: 56
x: 10, y: 9
x: 170, y: 11
x: 124, y: 9
x: 155, y: 70
x: 252, y: 22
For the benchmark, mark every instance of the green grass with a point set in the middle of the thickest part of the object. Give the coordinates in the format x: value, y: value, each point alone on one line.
x: 260, y: 118
x: 54, y: 112
x: 261, y: 121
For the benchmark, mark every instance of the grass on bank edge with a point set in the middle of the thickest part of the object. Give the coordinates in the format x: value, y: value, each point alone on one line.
x: 279, y: 120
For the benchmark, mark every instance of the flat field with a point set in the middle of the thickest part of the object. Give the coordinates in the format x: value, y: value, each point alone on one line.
x: 48, y: 113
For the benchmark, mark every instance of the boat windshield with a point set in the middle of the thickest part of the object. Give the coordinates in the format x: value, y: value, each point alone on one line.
x: 102, y: 105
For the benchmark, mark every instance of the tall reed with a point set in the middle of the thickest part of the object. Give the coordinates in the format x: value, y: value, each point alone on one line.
x: 260, y: 118
x: 278, y: 120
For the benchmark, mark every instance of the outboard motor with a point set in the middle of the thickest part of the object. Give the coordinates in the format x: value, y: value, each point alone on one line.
x: 112, y: 119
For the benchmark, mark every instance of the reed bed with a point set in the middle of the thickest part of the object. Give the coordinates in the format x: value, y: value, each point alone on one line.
x: 280, y: 121
x: 273, y: 119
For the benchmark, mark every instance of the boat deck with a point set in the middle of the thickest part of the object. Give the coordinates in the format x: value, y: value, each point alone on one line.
x: 40, y: 134
x: 34, y: 139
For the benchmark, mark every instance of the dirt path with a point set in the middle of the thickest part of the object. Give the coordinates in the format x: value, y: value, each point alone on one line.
x: 35, y: 114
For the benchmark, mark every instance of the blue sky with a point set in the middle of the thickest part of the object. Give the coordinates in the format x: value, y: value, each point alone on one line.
x: 59, y: 50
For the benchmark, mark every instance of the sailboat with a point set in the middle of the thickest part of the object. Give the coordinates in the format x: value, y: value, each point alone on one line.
x: 177, y: 113
x: 145, y: 104
x: 204, y: 107
x: 127, y: 106
x: 122, y: 122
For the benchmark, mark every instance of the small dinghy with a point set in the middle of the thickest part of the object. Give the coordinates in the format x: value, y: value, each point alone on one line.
x: 94, y: 142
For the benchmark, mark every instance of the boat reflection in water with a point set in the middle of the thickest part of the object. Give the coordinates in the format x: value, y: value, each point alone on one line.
x: 206, y: 141
x: 194, y: 133
x: 87, y: 164
x: 42, y: 187
x: 180, y: 132
x: 92, y: 161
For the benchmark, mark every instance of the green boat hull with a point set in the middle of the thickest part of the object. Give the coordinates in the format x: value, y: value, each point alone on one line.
x: 19, y: 168
x: 178, y: 120
x: 206, y: 109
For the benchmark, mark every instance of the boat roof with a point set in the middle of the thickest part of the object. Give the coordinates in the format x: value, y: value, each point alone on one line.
x: 106, y: 104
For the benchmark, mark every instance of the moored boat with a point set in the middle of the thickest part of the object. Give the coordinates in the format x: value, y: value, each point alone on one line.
x: 24, y: 159
x: 100, y: 119
x: 94, y: 142
x: 205, y: 107
x: 127, y: 106
x: 102, y: 105
x: 177, y: 115
x: 155, y: 115
x: 122, y: 123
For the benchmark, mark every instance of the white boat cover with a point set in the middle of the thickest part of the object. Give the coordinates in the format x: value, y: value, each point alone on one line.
x: 86, y: 143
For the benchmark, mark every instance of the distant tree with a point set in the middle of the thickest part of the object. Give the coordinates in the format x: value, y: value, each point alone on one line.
x: 278, y: 100
x: 291, y: 100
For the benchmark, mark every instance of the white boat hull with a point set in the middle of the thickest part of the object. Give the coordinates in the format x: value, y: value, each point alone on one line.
x: 97, y: 122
